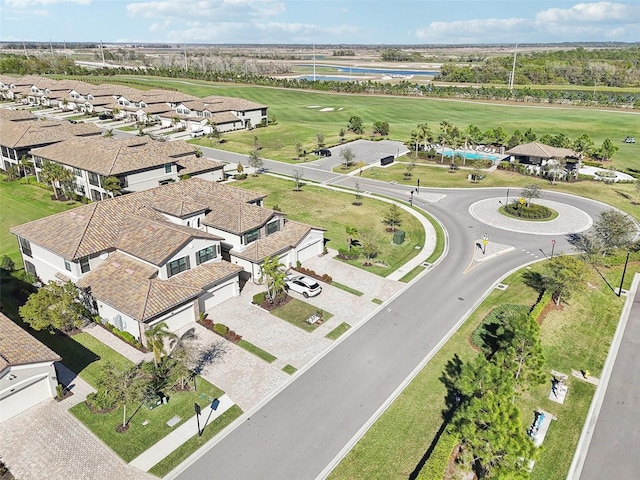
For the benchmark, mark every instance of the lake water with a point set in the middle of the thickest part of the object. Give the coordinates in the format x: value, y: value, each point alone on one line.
x: 373, y: 71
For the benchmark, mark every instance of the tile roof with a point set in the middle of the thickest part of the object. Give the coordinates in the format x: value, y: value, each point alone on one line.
x: 43, y: 132
x: 193, y: 165
x: 17, y: 347
x: 288, y: 237
x: 535, y: 149
x: 16, y: 115
x: 237, y: 217
x: 131, y: 286
x: 97, y: 227
x: 114, y: 156
x: 155, y: 241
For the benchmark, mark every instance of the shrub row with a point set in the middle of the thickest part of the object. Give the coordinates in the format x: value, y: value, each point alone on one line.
x: 532, y: 211
x: 126, y: 336
x: 537, y: 309
x: 226, y: 332
x: 438, y: 461
x: 305, y: 271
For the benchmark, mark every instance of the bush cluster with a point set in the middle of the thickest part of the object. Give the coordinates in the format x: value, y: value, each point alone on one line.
x: 532, y: 211
x: 488, y: 329
x: 126, y: 336
x: 310, y: 273
x: 537, y: 309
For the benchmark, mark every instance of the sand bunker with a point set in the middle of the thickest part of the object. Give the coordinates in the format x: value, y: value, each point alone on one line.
x: 327, y: 109
x: 313, y: 106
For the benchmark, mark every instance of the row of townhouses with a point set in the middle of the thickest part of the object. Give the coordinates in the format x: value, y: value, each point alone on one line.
x: 170, y: 109
x: 164, y: 254
x: 138, y: 163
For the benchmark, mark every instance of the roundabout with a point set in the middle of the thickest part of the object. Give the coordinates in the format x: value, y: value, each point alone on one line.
x: 569, y: 220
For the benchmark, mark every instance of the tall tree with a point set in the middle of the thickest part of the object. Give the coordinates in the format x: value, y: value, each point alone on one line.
x: 273, y: 274
x: 320, y: 141
x: 126, y: 386
x: 352, y: 233
x: 615, y: 230
x: 255, y: 161
x: 555, y: 168
x: 563, y: 275
x: 56, y: 175
x: 355, y: 124
x: 529, y: 192
x: 55, y: 306
x: 297, y: 177
x: 380, y: 128
x: 348, y: 156
x: 156, y: 337
x: 393, y: 217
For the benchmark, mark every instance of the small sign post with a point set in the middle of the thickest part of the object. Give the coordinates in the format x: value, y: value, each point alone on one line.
x: 553, y: 246
x: 485, y: 240
x: 196, y: 407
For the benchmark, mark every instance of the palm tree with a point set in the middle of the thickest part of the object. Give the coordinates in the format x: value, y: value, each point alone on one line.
x: 273, y: 273
x: 112, y: 185
x: 25, y: 164
x: 108, y: 134
x: 351, y: 233
x: 56, y: 175
x: 156, y: 336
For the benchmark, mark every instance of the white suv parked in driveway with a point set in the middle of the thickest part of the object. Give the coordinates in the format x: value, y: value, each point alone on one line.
x: 197, y: 133
x: 307, y: 286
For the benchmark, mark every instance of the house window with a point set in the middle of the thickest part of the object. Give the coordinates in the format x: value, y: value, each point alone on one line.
x: 177, y: 266
x: 167, y: 168
x: 94, y: 179
x: 38, y: 162
x: 251, y: 236
x: 77, y: 172
x: 25, y: 245
x: 273, y: 227
x: 206, y: 254
x: 67, y: 264
x: 84, y: 265
x: 264, y: 112
x: 30, y: 268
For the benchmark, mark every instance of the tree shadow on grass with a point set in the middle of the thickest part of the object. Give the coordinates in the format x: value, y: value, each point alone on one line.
x: 449, y: 378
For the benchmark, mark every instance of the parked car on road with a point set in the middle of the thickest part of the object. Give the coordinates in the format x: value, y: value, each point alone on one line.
x: 106, y: 116
x: 307, y: 286
x: 197, y: 133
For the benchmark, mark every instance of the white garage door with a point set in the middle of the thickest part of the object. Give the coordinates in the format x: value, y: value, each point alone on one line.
x: 24, y: 399
x: 216, y: 297
x: 180, y: 320
x: 310, y: 251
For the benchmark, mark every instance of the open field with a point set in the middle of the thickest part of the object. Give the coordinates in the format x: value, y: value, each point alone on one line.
x: 575, y: 336
x: 299, y: 123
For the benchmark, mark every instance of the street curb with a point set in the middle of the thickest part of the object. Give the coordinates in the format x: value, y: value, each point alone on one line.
x: 589, y: 427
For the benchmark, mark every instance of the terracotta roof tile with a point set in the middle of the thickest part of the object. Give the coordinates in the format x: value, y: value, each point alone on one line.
x: 237, y: 217
x: 535, y: 149
x: 44, y: 132
x: 288, y: 237
x: 17, y: 347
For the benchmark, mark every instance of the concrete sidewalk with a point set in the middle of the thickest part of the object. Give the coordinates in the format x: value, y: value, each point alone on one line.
x: 120, y: 346
x: 147, y: 459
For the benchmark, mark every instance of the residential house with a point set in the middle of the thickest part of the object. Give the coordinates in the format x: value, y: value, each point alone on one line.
x: 164, y: 254
x: 139, y: 163
x: 17, y: 139
x: 27, y: 371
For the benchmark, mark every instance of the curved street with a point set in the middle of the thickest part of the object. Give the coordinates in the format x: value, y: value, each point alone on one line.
x: 302, y: 430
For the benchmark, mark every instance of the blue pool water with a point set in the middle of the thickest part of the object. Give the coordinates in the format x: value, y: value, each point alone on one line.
x: 474, y: 155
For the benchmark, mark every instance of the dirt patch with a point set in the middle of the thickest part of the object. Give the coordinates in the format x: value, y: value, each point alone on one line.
x: 122, y: 428
x: 551, y: 307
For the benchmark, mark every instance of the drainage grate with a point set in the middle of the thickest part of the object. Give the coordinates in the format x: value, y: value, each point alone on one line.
x: 502, y: 286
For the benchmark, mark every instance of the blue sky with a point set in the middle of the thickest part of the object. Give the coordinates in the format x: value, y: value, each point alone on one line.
x: 320, y: 21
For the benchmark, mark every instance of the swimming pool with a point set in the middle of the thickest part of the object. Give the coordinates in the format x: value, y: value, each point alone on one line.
x: 494, y: 157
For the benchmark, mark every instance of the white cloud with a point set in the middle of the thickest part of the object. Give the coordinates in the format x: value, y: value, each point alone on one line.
x: 214, y: 10
x: 461, y: 31
x: 22, y: 4
x: 608, y: 12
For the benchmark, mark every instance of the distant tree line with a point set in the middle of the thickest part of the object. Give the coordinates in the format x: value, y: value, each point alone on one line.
x: 606, y: 67
x: 234, y: 72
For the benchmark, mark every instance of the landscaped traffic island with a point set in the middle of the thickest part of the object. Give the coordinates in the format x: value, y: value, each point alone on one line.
x: 530, y: 212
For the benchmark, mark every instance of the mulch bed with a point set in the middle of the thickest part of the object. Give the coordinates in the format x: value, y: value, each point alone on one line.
x: 66, y: 394
x: 551, y: 307
x: 277, y: 303
x: 122, y: 429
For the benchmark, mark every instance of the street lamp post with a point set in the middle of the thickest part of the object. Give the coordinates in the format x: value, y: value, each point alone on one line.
x: 411, y: 199
x: 553, y: 246
x: 418, y: 189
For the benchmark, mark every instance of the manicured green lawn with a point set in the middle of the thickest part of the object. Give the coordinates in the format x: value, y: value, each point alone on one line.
x: 296, y: 312
x: 576, y: 336
x: 257, y: 351
x: 339, y: 330
x: 299, y: 123
x: 331, y: 210
x: 21, y: 203
x: 139, y: 437
x: 289, y: 369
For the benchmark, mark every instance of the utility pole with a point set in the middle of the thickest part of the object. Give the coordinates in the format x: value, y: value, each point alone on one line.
x: 186, y: 65
x: 24, y: 46
x: 513, y: 70
x: 51, y: 47
x: 102, y: 53
x: 314, y: 62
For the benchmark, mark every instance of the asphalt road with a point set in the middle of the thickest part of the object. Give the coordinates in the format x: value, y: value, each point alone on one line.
x: 297, y: 433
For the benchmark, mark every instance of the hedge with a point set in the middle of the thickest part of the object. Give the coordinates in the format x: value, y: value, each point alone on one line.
x: 436, y: 465
x: 537, y: 309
